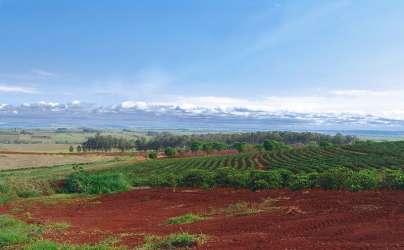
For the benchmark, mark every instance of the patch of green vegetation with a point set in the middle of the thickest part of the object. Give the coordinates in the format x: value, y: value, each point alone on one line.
x: 366, y: 165
x: 185, y: 219
x: 14, y: 232
x: 173, y: 241
x: 50, y: 245
x: 96, y: 183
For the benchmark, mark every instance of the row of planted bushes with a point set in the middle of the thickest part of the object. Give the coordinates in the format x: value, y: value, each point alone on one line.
x: 333, y: 178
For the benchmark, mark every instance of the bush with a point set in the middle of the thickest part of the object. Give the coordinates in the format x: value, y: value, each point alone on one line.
x: 300, y: 182
x: 83, y: 182
x: 152, y: 155
x: 286, y: 176
x: 334, y: 178
x: 259, y: 184
x: 170, y: 152
x: 197, y: 178
x: 166, y: 180
x: 392, y: 179
x: 265, y: 180
x: 363, y: 180
x: 230, y: 177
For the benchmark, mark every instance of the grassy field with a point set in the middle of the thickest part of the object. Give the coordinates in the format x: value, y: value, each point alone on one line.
x: 363, y: 164
x: 38, y: 148
x: 50, y: 138
x: 16, y: 161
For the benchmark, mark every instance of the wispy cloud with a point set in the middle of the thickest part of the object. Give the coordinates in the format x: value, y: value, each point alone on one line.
x: 292, y: 29
x: 43, y: 73
x: 17, y: 89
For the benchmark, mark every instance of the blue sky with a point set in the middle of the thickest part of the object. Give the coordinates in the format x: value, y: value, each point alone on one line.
x: 306, y: 56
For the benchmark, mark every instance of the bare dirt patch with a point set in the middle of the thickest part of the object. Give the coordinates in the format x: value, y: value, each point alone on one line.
x: 314, y: 219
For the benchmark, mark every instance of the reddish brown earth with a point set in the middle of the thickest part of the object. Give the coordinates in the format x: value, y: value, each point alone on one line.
x: 314, y: 219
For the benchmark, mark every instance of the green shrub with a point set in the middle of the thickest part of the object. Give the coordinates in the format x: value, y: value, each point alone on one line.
x: 265, y: 180
x: 96, y: 183
x: 392, y: 179
x: 363, y: 180
x: 334, y: 178
x: 165, y: 180
x: 286, y: 176
x: 259, y: 184
x: 170, y: 152
x: 152, y: 155
x: 230, y: 177
x: 197, y: 178
x: 300, y: 182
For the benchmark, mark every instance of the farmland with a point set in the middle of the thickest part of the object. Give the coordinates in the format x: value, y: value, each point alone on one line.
x: 313, y: 196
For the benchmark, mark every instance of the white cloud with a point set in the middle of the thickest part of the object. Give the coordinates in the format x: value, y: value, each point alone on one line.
x: 43, y: 73
x: 387, y: 104
x: 49, y: 104
x: 17, y: 89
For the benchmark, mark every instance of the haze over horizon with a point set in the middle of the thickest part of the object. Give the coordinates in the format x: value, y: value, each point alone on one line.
x: 331, y: 62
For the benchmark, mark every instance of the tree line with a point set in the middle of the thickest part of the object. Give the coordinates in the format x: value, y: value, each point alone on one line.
x: 213, y: 141
x: 106, y: 143
x: 163, y: 140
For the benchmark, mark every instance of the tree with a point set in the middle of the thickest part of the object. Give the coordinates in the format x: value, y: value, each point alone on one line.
x: 170, y: 152
x: 78, y: 149
x: 207, y: 147
x: 219, y: 146
x: 270, y: 145
x: 71, y: 149
x: 196, y: 146
x: 240, y: 146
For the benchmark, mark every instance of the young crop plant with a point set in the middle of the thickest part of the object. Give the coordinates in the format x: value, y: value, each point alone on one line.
x: 185, y: 219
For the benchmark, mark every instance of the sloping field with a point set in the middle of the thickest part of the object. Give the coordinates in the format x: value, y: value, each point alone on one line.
x: 303, y: 160
x: 16, y: 161
x: 239, y: 219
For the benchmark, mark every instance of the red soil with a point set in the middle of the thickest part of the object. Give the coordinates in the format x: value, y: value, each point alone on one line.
x: 314, y: 219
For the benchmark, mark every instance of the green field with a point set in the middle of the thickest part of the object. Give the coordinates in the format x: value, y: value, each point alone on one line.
x: 363, y: 165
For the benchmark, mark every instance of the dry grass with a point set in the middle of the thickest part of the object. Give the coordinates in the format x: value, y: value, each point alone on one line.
x: 39, y: 148
x: 248, y: 208
x: 16, y: 161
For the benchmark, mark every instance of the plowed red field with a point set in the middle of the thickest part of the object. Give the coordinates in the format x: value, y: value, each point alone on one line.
x: 314, y: 219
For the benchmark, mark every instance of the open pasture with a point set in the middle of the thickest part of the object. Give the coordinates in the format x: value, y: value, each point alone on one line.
x: 16, y: 161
